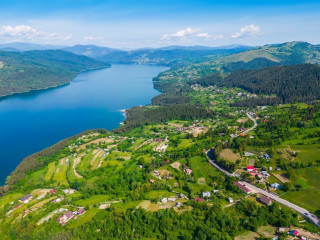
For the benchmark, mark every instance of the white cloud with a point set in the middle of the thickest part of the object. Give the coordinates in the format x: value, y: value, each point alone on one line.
x: 88, y: 38
x: 181, y: 33
x: 190, y: 33
x: 203, y: 35
x: 246, y: 31
x: 24, y: 32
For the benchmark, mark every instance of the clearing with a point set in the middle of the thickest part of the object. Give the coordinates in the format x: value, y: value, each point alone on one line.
x: 267, y: 231
x: 176, y: 165
x: 247, y: 236
x: 51, y: 170
x: 75, y: 163
x: 229, y: 155
x: 282, y: 177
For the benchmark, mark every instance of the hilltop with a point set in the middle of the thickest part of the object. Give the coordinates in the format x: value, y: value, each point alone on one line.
x: 41, y: 69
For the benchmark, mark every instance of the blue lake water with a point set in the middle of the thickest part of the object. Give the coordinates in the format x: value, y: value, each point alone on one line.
x: 33, y: 121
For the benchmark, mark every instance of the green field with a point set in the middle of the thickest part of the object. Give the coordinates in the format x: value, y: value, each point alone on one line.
x: 61, y: 175
x: 50, y: 171
x: 309, y: 197
x: 158, y: 194
x: 307, y: 153
x: 185, y: 143
x: 201, y: 168
x: 92, y: 200
x: 86, y: 217
x: 9, y: 198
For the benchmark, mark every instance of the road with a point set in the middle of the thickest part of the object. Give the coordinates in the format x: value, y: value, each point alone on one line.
x: 249, y: 115
x: 255, y: 189
x: 274, y: 197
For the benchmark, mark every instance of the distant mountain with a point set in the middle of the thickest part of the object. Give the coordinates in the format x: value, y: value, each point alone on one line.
x: 92, y: 51
x: 40, y: 69
x: 18, y: 46
x: 260, y: 57
x: 167, y: 56
x: 197, y: 47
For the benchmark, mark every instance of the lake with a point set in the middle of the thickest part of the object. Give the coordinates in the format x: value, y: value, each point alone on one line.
x: 33, y: 121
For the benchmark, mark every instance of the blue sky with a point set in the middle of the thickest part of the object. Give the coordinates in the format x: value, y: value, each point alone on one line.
x: 154, y: 23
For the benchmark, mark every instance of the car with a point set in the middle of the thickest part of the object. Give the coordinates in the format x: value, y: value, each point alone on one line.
x: 306, y: 214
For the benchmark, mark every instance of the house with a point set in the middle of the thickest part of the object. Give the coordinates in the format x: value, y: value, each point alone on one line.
x: 247, y: 154
x: 172, y: 199
x: 52, y: 191
x: 266, y: 156
x: 41, y: 196
x: 230, y: 200
x: 293, y: 233
x: 65, y: 218
x: 242, y: 187
x: 178, y: 204
x: 276, y: 186
x: 181, y: 195
x: 197, y: 199
x: 19, y: 205
x: 81, y: 211
x: 167, y: 176
x: 188, y: 171
x: 240, y: 129
x: 56, y: 200
x: 267, y: 201
x: 251, y: 169
x: 164, y: 200
x: 215, y: 191
x: 151, y: 181
x: 282, y: 229
x: 270, y: 168
x: 68, y: 191
x: 167, y: 161
x: 206, y: 194
x: 26, y: 198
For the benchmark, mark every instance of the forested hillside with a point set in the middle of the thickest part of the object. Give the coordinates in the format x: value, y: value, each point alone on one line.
x: 261, y: 57
x: 289, y: 83
x: 40, y: 69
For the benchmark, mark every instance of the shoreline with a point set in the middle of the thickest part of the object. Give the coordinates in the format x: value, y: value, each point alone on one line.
x: 31, y: 91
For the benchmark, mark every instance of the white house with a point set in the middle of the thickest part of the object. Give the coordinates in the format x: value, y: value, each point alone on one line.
x: 206, y: 194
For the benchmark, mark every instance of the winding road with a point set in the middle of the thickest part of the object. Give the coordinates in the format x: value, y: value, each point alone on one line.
x: 312, y: 218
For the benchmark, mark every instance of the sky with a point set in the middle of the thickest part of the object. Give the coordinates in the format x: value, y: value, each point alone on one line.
x: 130, y: 24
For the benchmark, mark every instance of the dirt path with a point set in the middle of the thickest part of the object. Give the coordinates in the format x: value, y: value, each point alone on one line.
x: 142, y: 144
x: 75, y: 163
x: 98, y: 154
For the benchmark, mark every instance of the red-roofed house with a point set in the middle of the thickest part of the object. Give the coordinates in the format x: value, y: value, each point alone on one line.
x: 65, y: 218
x: 267, y: 201
x: 197, y: 199
x: 243, y: 188
x: 250, y: 168
x: 81, y: 211
x: 52, y: 191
